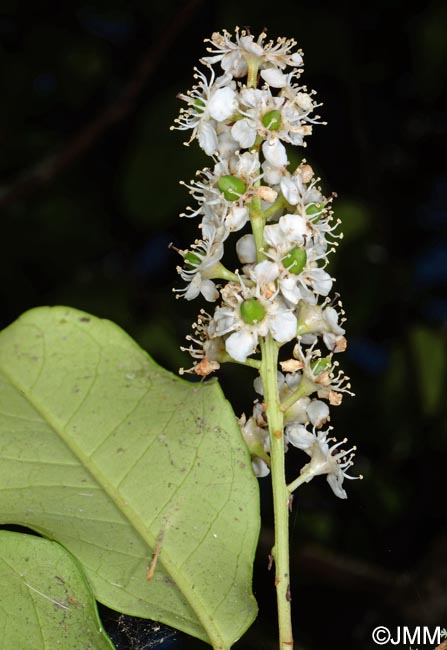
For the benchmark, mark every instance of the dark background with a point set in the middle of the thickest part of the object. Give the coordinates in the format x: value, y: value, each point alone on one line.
x: 89, y: 201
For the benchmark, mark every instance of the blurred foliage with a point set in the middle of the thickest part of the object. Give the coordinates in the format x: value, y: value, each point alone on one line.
x: 96, y: 237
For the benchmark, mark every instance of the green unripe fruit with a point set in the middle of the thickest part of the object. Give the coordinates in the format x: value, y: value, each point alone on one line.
x: 231, y: 187
x: 191, y: 260
x: 272, y: 120
x: 295, y: 260
x: 252, y: 311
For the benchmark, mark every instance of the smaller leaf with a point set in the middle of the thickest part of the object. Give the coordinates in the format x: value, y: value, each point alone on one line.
x: 45, y: 600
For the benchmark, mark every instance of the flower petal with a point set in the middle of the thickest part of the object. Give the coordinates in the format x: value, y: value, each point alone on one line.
x: 274, y: 77
x: 275, y: 152
x: 246, y: 249
x: 244, y: 132
x: 240, y: 345
x: 222, y: 104
x: 206, y: 135
x: 283, y: 326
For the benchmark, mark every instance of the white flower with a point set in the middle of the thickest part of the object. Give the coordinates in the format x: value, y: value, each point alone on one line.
x: 325, y: 459
x: 270, y: 57
x: 334, y: 336
x: 290, y: 236
x: 317, y: 319
x: 321, y: 375
x: 301, y: 277
x: 266, y: 314
x: 286, y: 234
x: 206, y: 349
x: 208, y: 102
x: 255, y: 104
x: 232, y: 213
x: 298, y: 192
x: 201, y: 259
x: 271, y: 117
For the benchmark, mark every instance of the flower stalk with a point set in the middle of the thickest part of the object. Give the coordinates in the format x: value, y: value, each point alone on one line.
x: 281, y: 496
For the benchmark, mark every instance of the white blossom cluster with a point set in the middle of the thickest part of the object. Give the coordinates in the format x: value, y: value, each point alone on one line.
x: 247, y: 110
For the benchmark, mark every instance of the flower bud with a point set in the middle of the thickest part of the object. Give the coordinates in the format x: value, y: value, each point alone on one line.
x: 272, y: 120
x: 231, y: 187
x: 295, y: 260
x: 252, y: 311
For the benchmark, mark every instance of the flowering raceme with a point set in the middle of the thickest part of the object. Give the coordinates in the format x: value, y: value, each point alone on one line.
x: 246, y: 110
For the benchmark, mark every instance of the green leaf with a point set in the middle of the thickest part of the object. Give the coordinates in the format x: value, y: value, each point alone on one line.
x: 129, y: 467
x: 45, y: 601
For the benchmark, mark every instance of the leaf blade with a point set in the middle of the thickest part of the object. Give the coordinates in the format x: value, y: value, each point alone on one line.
x: 134, y: 474
x: 45, y: 600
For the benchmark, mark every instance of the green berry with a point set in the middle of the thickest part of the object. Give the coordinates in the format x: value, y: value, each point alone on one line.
x: 295, y: 260
x: 231, y: 187
x: 252, y: 311
x: 272, y: 120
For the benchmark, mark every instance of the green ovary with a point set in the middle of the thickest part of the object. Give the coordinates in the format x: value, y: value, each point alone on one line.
x: 316, y: 208
x: 295, y: 260
x: 272, y: 120
x: 321, y: 365
x: 231, y: 187
x: 252, y: 311
x: 191, y: 260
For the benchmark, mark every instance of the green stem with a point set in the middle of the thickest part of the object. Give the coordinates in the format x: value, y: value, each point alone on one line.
x: 252, y: 74
x: 302, y: 478
x: 277, y: 205
x: 219, y: 271
x: 305, y: 388
x: 257, y: 221
x: 280, y: 492
x: 252, y: 363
